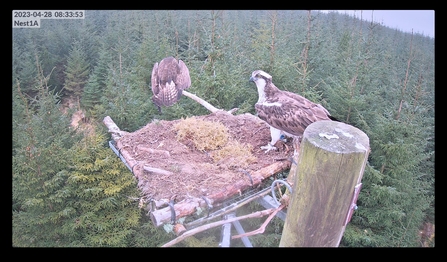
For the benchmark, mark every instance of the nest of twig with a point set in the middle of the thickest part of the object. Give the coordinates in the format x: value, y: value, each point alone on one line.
x: 198, y: 156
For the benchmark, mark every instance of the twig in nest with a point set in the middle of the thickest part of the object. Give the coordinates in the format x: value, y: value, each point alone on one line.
x: 215, y: 224
x: 290, y: 159
x: 157, y: 170
x: 261, y: 229
x: 154, y: 151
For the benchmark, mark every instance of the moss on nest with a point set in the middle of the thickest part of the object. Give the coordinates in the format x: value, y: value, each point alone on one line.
x: 214, y: 136
x: 205, y: 135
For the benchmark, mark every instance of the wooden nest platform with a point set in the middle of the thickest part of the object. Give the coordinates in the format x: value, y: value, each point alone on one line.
x: 192, y: 163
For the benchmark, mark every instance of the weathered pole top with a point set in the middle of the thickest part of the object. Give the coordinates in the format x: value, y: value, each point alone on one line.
x: 336, y: 137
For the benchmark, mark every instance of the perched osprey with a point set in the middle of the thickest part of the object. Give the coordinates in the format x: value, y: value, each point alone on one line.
x: 285, y: 112
x: 169, y: 78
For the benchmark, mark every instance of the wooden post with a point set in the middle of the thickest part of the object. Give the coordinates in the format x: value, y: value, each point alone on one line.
x: 331, y: 163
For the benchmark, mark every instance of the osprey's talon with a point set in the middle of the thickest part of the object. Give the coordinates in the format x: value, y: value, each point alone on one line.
x: 268, y: 147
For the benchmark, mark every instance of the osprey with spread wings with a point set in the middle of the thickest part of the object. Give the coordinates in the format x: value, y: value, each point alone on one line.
x: 169, y: 78
x: 285, y: 112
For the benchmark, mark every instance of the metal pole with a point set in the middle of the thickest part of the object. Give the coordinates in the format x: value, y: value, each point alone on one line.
x: 241, y: 231
x: 226, y: 232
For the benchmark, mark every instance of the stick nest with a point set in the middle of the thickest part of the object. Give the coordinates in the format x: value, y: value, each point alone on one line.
x: 202, y: 154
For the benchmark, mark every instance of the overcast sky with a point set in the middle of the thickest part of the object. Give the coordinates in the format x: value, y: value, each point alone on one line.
x: 421, y: 21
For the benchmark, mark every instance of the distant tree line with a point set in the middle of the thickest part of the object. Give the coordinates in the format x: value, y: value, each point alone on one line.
x: 69, y: 189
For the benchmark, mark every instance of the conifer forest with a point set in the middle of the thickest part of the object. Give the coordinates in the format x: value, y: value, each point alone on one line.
x: 69, y: 189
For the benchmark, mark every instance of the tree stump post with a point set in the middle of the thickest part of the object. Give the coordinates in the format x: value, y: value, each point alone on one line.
x: 332, y: 159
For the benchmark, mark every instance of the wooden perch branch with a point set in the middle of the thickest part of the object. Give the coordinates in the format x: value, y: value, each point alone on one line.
x: 207, y: 105
x: 215, y: 224
x: 199, y: 100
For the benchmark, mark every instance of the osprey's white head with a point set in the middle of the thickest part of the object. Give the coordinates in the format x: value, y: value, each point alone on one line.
x: 260, y: 78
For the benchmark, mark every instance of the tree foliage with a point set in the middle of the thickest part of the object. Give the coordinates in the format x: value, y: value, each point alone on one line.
x: 77, y: 71
x: 68, y: 189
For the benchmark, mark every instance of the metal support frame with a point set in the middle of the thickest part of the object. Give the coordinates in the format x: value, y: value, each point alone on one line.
x: 225, y: 240
x: 226, y: 233
x: 240, y: 230
x: 117, y: 152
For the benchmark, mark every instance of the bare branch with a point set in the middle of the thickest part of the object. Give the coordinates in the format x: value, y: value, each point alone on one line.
x: 261, y: 229
x: 113, y: 128
x: 215, y: 224
x: 157, y: 170
x: 154, y: 151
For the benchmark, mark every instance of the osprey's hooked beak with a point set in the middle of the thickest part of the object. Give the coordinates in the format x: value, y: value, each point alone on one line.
x: 252, y: 79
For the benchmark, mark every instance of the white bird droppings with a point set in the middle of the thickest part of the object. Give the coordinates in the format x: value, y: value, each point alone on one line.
x: 328, y: 136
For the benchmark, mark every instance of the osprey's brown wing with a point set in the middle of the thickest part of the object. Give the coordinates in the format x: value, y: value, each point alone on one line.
x: 169, y: 78
x: 290, y: 112
x: 154, y: 80
x: 183, y: 80
x: 320, y: 114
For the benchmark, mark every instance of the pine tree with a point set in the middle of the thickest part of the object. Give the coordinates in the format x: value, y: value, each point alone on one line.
x: 297, y: 66
x: 41, y: 151
x: 124, y: 100
x: 393, y: 198
x: 90, y: 202
x: 66, y: 192
x: 76, y: 72
x: 260, y: 43
x: 102, y: 193
x: 93, y: 90
x: 396, y: 192
x: 92, y: 94
x: 24, y: 69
